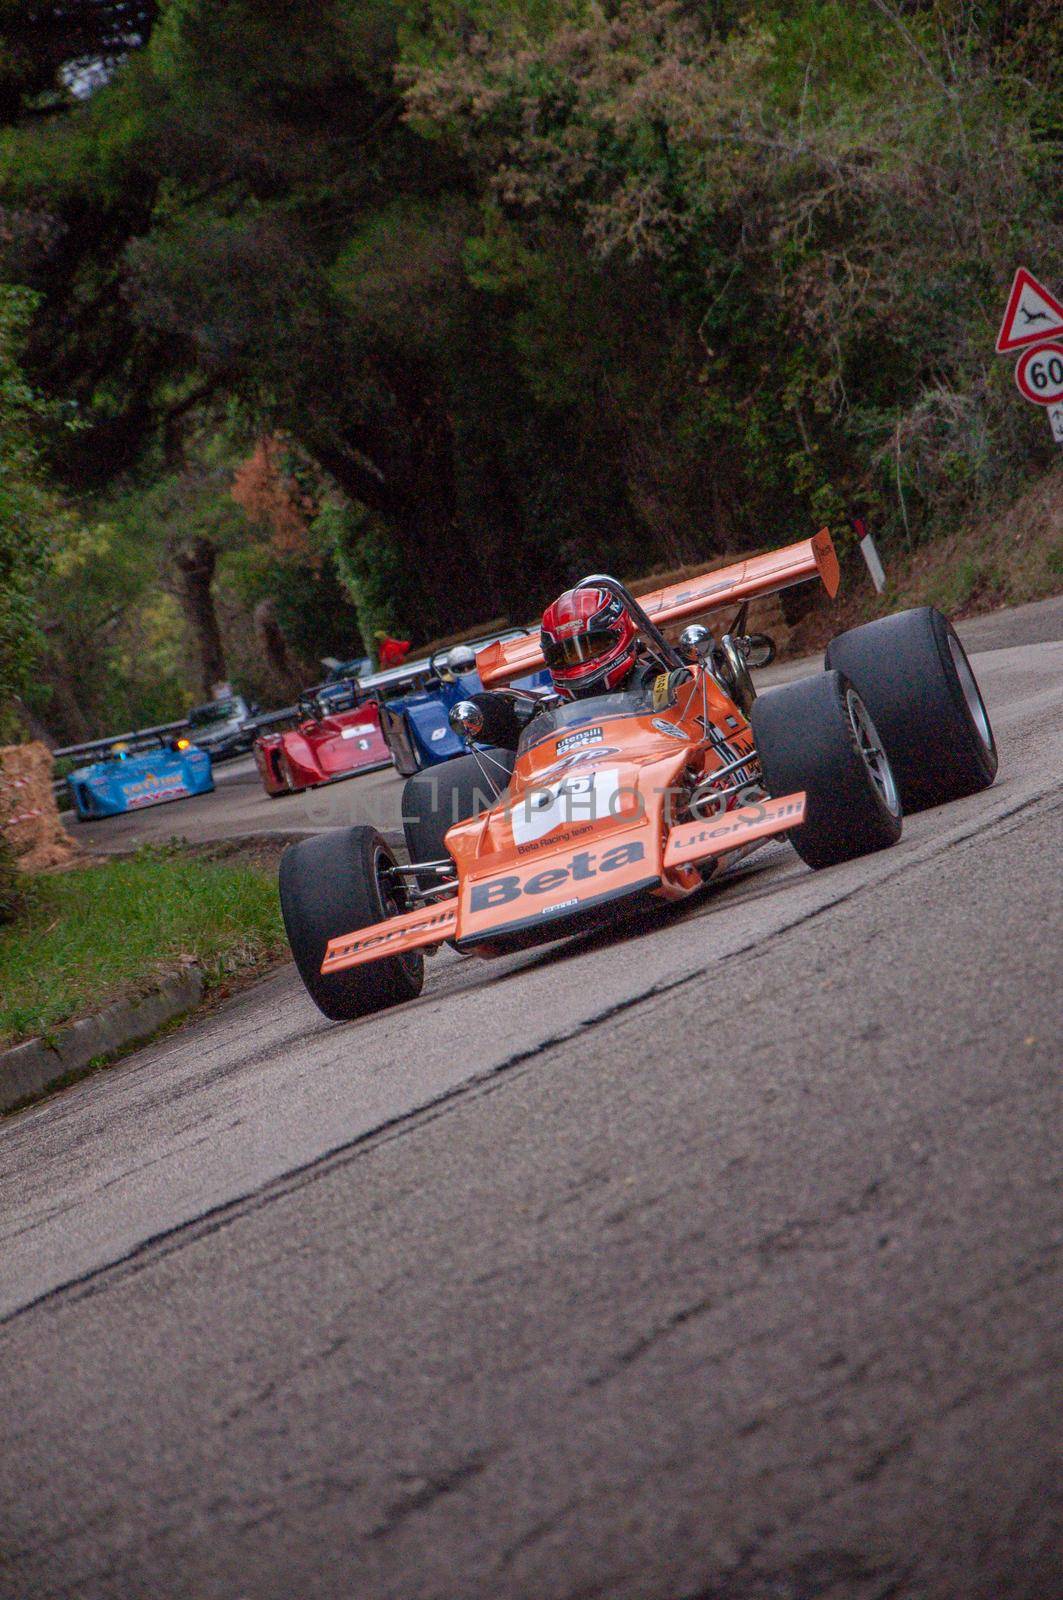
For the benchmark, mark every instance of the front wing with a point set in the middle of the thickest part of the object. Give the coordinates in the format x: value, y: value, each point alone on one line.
x: 567, y: 882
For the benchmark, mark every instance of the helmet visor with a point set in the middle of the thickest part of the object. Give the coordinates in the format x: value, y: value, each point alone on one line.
x: 579, y: 648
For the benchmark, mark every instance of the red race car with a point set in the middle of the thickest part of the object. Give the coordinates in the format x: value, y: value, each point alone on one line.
x: 338, y: 736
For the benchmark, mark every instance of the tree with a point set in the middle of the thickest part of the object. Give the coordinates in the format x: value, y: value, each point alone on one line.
x: 275, y: 649
x: 195, y: 562
x: 538, y: 287
x: 27, y: 511
x: 830, y: 198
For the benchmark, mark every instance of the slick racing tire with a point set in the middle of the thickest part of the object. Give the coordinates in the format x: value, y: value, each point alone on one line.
x: 912, y: 673
x: 334, y: 884
x: 816, y: 735
x: 284, y: 768
x: 435, y: 799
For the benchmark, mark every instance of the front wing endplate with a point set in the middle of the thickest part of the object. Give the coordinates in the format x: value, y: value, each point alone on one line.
x: 700, y: 841
x: 410, y: 931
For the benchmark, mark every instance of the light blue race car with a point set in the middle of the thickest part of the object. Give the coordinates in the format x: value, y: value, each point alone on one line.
x: 415, y: 702
x: 126, y: 780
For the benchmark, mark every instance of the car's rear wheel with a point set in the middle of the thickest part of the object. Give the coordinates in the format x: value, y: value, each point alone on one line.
x: 817, y: 735
x: 912, y: 673
x: 433, y: 800
x: 334, y: 884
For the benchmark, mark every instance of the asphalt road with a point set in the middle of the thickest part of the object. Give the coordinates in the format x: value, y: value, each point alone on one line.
x: 239, y: 808
x: 710, y: 1262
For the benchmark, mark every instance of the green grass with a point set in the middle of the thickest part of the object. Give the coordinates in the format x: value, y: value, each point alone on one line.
x: 105, y: 932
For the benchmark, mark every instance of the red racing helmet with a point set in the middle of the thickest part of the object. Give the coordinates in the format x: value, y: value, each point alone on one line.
x: 589, y: 642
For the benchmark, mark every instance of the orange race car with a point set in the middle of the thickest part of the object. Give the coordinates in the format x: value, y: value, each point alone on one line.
x: 564, y: 812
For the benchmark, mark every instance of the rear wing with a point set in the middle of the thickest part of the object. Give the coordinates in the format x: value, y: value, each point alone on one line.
x: 501, y: 662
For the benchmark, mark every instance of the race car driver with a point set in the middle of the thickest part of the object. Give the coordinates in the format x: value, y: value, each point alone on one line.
x: 591, y: 645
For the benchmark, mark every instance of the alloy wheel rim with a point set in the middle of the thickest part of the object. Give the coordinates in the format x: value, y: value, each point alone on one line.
x: 390, y: 904
x: 873, y: 753
x: 971, y: 692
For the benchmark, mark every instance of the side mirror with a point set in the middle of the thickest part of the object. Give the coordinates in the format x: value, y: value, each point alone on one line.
x: 758, y: 649
x: 466, y: 719
x: 695, y: 643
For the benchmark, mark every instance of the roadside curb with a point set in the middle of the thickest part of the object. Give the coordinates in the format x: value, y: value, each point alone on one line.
x: 27, y: 1069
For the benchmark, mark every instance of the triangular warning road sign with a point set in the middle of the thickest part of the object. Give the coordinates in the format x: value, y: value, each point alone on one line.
x: 1032, y: 315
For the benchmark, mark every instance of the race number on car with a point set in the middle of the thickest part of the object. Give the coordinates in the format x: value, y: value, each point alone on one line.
x: 585, y: 798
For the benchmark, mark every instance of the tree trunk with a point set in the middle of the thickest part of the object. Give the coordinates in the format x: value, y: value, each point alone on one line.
x: 416, y: 503
x: 275, y: 648
x: 65, y: 711
x: 195, y: 564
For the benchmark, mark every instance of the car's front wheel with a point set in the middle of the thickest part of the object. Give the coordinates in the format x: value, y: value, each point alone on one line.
x: 287, y: 775
x: 817, y: 735
x: 912, y: 673
x: 435, y: 799
x: 334, y: 884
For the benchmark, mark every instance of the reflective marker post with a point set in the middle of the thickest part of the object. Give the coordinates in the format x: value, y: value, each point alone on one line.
x: 869, y: 553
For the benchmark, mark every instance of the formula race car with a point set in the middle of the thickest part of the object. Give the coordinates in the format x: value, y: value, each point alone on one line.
x: 583, y: 808
x: 416, y: 700
x: 338, y: 736
x: 127, y: 779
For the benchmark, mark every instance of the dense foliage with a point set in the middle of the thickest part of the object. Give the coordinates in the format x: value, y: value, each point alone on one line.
x: 497, y: 292
x: 26, y: 511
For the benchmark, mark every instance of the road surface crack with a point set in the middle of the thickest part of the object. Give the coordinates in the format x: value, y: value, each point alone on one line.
x: 424, y: 1494
x: 817, y: 1576
x: 794, y: 1234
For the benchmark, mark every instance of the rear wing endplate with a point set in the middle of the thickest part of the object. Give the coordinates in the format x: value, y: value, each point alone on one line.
x: 506, y: 659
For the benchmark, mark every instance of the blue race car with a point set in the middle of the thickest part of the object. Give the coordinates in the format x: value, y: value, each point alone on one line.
x: 126, y: 780
x: 415, y: 701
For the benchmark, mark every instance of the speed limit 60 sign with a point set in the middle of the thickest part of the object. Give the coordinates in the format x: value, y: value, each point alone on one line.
x: 1039, y: 374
